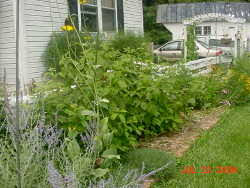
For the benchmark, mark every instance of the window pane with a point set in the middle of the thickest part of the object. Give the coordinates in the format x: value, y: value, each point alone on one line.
x: 89, y: 18
x: 88, y: 10
x: 108, y: 3
x: 108, y: 19
x: 198, y: 30
x: 172, y: 46
x: 92, y: 2
x: 207, y: 30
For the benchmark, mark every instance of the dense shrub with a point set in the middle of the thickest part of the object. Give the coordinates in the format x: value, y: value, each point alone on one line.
x: 65, y: 44
x: 137, y: 101
x: 137, y: 44
x: 157, y: 32
x: 238, y: 81
x: 206, y: 91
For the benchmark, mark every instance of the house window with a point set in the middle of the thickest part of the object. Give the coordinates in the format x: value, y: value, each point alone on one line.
x: 207, y: 30
x: 203, y: 30
x: 89, y: 16
x: 108, y: 15
x: 108, y: 3
x: 198, y: 30
x: 92, y: 2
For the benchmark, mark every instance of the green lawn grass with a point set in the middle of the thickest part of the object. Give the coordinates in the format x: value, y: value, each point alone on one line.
x: 227, y: 144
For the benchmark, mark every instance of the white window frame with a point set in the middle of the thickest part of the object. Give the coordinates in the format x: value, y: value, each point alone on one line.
x: 99, y: 15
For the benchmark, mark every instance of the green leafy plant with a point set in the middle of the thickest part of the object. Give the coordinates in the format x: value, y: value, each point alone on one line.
x: 121, y: 84
x: 136, y: 45
x: 68, y: 43
x: 238, y: 81
x: 190, y: 43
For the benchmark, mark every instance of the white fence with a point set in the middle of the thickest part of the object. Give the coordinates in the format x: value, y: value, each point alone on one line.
x: 204, y: 66
x: 200, y: 66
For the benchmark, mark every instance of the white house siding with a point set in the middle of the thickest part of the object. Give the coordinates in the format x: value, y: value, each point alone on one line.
x: 41, y: 19
x: 176, y: 29
x: 218, y: 30
x: 7, y: 41
x: 133, y: 16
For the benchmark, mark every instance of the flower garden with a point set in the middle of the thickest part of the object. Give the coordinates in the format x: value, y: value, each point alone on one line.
x: 95, y: 106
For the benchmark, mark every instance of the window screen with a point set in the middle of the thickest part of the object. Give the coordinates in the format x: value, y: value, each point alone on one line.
x: 108, y: 19
x: 108, y: 15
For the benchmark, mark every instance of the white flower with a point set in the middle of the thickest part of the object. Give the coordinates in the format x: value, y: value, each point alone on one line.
x: 97, y: 66
x: 73, y: 86
x: 109, y: 70
x: 104, y: 100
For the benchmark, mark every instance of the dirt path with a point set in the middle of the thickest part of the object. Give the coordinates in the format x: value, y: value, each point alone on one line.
x: 178, y: 143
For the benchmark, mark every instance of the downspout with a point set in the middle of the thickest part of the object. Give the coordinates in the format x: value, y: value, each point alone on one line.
x: 79, y: 15
x: 99, y: 16
x: 17, y: 123
x: 116, y: 15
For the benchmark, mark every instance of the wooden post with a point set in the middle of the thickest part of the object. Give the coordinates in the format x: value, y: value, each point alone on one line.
x: 17, y: 125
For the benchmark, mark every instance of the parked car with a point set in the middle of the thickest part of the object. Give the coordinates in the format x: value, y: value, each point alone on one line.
x: 174, y: 50
x: 227, y: 45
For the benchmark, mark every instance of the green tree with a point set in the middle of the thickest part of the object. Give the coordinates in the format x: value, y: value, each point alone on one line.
x: 156, y: 32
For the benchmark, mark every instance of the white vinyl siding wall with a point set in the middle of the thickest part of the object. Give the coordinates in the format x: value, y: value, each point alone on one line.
x: 41, y: 19
x: 133, y: 16
x: 7, y: 41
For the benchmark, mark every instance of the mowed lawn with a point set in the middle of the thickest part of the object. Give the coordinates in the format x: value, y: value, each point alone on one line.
x: 227, y: 144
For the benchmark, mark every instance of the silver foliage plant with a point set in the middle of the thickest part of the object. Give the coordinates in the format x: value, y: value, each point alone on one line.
x: 42, y: 147
x: 134, y: 178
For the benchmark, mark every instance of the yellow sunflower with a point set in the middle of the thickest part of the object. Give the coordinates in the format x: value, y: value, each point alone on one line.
x: 67, y: 28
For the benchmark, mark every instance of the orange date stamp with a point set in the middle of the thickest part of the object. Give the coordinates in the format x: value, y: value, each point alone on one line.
x: 209, y: 169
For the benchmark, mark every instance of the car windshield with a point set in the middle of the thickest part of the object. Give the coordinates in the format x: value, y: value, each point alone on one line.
x: 203, y: 44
